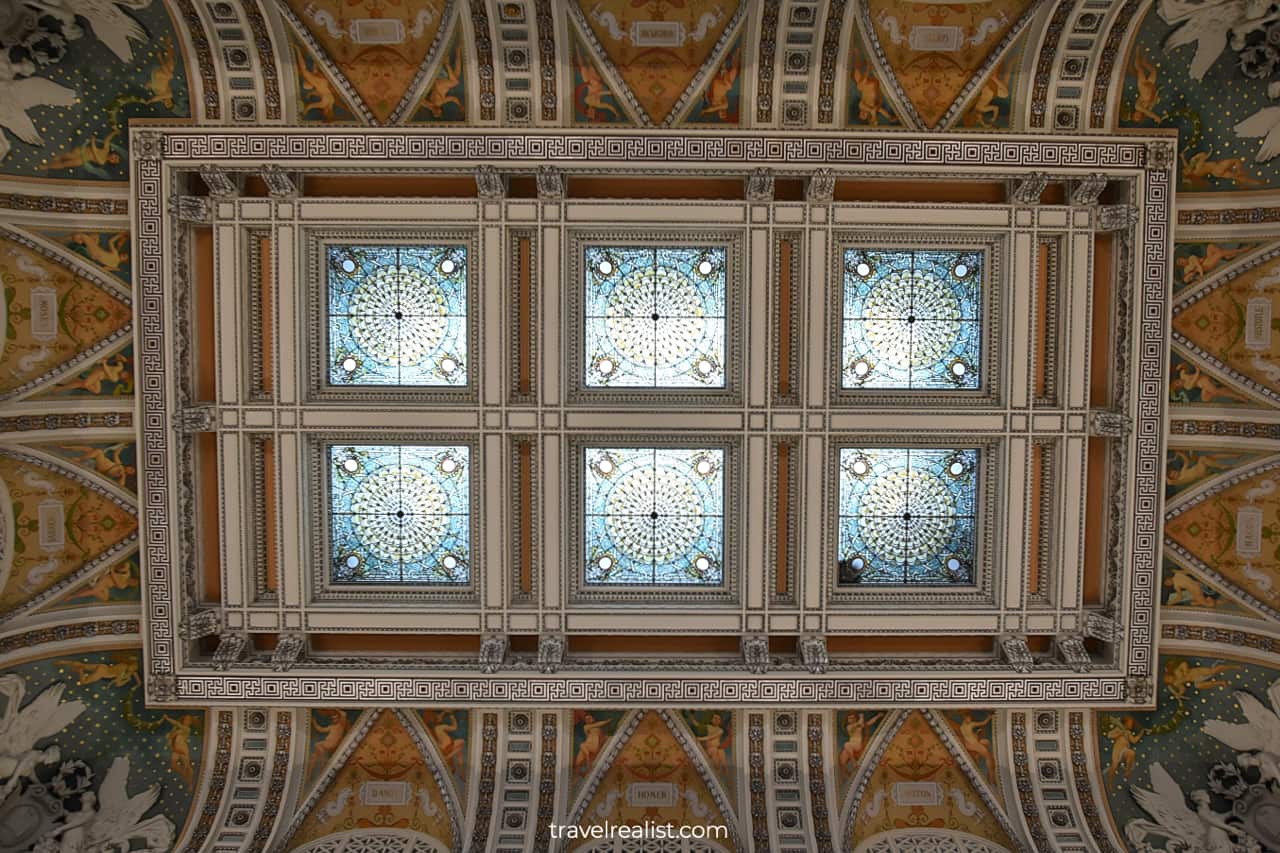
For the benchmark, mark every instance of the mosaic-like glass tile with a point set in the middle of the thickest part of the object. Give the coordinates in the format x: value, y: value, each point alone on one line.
x: 907, y: 515
x: 912, y: 319
x: 400, y: 514
x: 397, y: 315
x: 654, y: 317
x: 654, y: 516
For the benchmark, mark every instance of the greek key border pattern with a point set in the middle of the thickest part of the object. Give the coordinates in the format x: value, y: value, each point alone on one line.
x: 304, y: 144
x: 185, y: 148
x: 205, y: 688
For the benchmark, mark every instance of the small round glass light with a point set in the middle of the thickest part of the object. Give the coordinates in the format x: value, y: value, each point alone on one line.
x: 953, y: 564
x: 605, y: 366
x: 959, y: 369
x: 450, y: 562
x: 348, y: 265
x: 857, y: 562
x: 861, y: 368
x: 702, y: 563
x: 605, y: 267
x: 704, y: 268
x: 859, y: 467
x: 448, y: 266
x: 605, y: 563
x: 605, y: 466
x: 863, y: 269
x: 956, y: 469
x: 449, y: 465
x: 352, y: 561
x: 349, y: 364
x: 962, y: 270
x: 703, y: 467
x: 705, y: 366
x: 350, y: 465
x: 448, y: 365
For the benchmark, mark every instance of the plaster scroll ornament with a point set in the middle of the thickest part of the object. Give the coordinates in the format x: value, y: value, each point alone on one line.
x: 231, y: 648
x: 755, y: 653
x: 1086, y: 192
x: 1017, y: 653
x: 279, y: 184
x: 111, y: 821
x: 289, y: 650
x: 21, y: 728
x: 821, y: 188
x: 490, y: 183
x: 1196, y: 828
x: 1071, y: 650
x: 760, y: 185
x: 813, y: 653
x: 493, y: 652
x: 1029, y: 189
x: 551, y: 649
x: 550, y: 183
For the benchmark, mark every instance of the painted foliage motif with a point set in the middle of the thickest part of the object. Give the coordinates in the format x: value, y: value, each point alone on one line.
x: 1209, y: 70
x: 379, y: 47
x: 674, y: 790
x: 73, y: 75
x: 85, y: 767
x: 1201, y: 770
x: 51, y: 316
x: 933, y: 50
x: 917, y: 760
x: 1234, y: 321
x: 386, y: 781
x: 1235, y: 530
x: 659, y: 48
x: 53, y: 526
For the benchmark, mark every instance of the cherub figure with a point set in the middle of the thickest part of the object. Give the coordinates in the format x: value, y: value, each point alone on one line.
x: 593, y: 741
x: 1144, y: 105
x: 714, y: 741
x: 717, y: 97
x: 1179, y: 675
x: 975, y: 742
x: 114, y: 369
x: 443, y: 725
x: 122, y: 670
x: 592, y: 91
x: 1196, y: 267
x: 438, y: 97
x: 1187, y: 589
x: 179, y: 740
x: 112, y: 258
x: 870, y: 99
x: 161, y: 83
x: 106, y: 461
x: 334, y: 731
x: 118, y: 577
x: 857, y: 727
x: 1124, y: 736
x: 1199, y: 168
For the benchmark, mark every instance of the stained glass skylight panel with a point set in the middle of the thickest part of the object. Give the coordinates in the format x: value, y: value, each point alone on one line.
x: 655, y: 317
x: 907, y: 516
x: 912, y: 319
x: 654, y: 516
x: 397, y: 315
x: 400, y: 514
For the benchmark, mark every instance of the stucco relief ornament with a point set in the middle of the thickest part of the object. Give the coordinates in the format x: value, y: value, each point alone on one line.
x: 813, y: 653
x: 755, y: 653
x: 21, y: 728
x: 493, y: 651
x: 1198, y: 827
x: 289, y: 650
x: 551, y: 648
x: 760, y: 185
x: 231, y: 648
x: 110, y: 820
x: 1029, y: 189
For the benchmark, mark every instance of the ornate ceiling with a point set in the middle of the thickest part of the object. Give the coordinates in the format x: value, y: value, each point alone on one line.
x: 277, y: 779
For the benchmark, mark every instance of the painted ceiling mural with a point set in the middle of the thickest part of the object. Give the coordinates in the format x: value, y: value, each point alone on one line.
x: 85, y: 767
